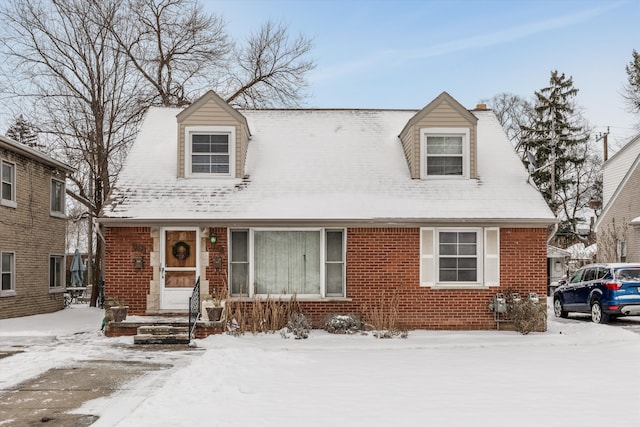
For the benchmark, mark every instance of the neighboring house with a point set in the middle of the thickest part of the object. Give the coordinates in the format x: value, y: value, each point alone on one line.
x: 618, y: 227
x: 344, y: 208
x: 557, y: 265
x: 32, y: 231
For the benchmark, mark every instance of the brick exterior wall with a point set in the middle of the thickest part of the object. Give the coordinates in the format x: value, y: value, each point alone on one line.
x: 380, y: 263
x: 121, y: 278
x: 32, y: 234
x: 614, y: 225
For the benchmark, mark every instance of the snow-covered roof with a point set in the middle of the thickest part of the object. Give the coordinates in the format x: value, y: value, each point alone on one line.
x: 322, y: 165
x: 555, y: 252
x: 580, y: 251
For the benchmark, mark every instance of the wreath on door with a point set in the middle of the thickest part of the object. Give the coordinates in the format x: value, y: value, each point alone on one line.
x: 181, y: 250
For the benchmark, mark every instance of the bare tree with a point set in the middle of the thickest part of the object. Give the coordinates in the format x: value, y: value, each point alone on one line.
x: 575, y: 199
x: 270, y: 70
x: 180, y: 51
x: 82, y: 87
x: 610, y: 237
x: 514, y: 113
x: 176, y: 47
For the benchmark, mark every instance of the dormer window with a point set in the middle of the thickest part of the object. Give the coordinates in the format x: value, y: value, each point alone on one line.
x: 210, y: 151
x: 444, y: 153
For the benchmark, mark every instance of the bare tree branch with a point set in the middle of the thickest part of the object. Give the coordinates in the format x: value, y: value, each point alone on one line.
x: 271, y: 69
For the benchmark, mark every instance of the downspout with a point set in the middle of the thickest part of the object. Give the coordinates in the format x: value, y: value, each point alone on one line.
x: 553, y: 233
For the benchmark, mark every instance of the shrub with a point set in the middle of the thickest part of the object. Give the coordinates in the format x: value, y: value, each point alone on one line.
x: 384, y: 314
x: 261, y: 315
x: 298, y: 325
x: 342, y: 324
x: 527, y: 315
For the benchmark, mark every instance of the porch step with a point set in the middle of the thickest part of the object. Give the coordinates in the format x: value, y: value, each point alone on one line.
x: 162, y: 330
x: 162, y: 334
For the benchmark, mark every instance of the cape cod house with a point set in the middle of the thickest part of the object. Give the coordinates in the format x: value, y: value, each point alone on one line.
x: 341, y: 207
x: 32, y: 230
x: 618, y: 227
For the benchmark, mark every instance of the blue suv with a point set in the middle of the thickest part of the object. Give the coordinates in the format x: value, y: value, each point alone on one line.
x: 604, y: 290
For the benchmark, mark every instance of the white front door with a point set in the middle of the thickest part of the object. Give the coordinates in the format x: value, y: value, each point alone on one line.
x: 179, y: 268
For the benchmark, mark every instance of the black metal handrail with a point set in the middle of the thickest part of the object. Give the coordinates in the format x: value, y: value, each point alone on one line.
x: 194, y: 309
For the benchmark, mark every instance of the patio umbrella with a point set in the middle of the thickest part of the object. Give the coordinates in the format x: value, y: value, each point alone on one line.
x: 77, y: 269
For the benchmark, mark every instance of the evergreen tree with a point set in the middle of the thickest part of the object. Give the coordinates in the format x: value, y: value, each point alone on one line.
x: 632, y: 88
x: 24, y: 132
x: 557, y: 139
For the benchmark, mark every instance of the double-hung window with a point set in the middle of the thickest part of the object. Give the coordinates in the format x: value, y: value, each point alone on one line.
x: 459, y: 257
x: 56, y: 272
x: 7, y: 273
x: 210, y: 151
x: 305, y: 262
x: 57, y: 197
x: 8, y: 184
x: 444, y: 152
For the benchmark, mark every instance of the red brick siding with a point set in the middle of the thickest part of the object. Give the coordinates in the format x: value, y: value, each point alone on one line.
x: 121, y: 279
x: 380, y: 262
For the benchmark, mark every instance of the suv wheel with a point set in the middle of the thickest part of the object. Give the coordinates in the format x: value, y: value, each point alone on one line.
x: 558, y: 310
x: 597, y: 315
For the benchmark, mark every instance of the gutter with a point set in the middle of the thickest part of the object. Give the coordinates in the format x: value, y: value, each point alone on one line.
x: 343, y: 222
x: 553, y: 233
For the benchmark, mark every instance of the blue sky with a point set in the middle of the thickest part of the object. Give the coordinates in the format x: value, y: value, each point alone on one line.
x: 402, y: 54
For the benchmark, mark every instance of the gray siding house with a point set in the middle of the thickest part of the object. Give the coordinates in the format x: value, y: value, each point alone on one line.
x: 618, y: 228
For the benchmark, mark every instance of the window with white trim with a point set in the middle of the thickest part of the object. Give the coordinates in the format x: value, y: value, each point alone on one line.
x: 459, y: 257
x: 56, y: 272
x: 210, y: 151
x: 305, y: 262
x: 8, y: 184
x: 444, y: 152
x: 7, y: 273
x: 57, y: 197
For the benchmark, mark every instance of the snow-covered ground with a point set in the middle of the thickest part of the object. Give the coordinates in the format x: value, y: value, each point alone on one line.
x: 577, y: 373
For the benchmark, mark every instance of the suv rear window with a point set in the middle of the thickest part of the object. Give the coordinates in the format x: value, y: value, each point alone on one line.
x: 628, y: 274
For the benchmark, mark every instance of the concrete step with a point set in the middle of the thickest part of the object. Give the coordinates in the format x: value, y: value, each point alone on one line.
x: 161, y: 339
x: 162, y: 330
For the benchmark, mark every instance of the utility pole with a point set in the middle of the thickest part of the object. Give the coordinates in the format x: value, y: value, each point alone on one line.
x: 605, y: 147
x: 553, y: 164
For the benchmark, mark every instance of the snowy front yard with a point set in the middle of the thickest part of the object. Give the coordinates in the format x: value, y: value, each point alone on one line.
x: 577, y: 373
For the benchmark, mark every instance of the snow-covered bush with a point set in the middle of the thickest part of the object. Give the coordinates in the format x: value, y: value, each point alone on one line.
x: 342, y: 324
x: 298, y: 325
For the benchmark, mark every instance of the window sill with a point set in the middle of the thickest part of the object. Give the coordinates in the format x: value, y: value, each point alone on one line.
x: 444, y: 177
x: 8, y: 203
x: 441, y: 286
x: 61, y: 215
x: 7, y: 294
x: 56, y: 290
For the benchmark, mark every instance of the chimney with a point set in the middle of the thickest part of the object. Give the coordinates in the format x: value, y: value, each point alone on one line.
x: 481, y: 107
